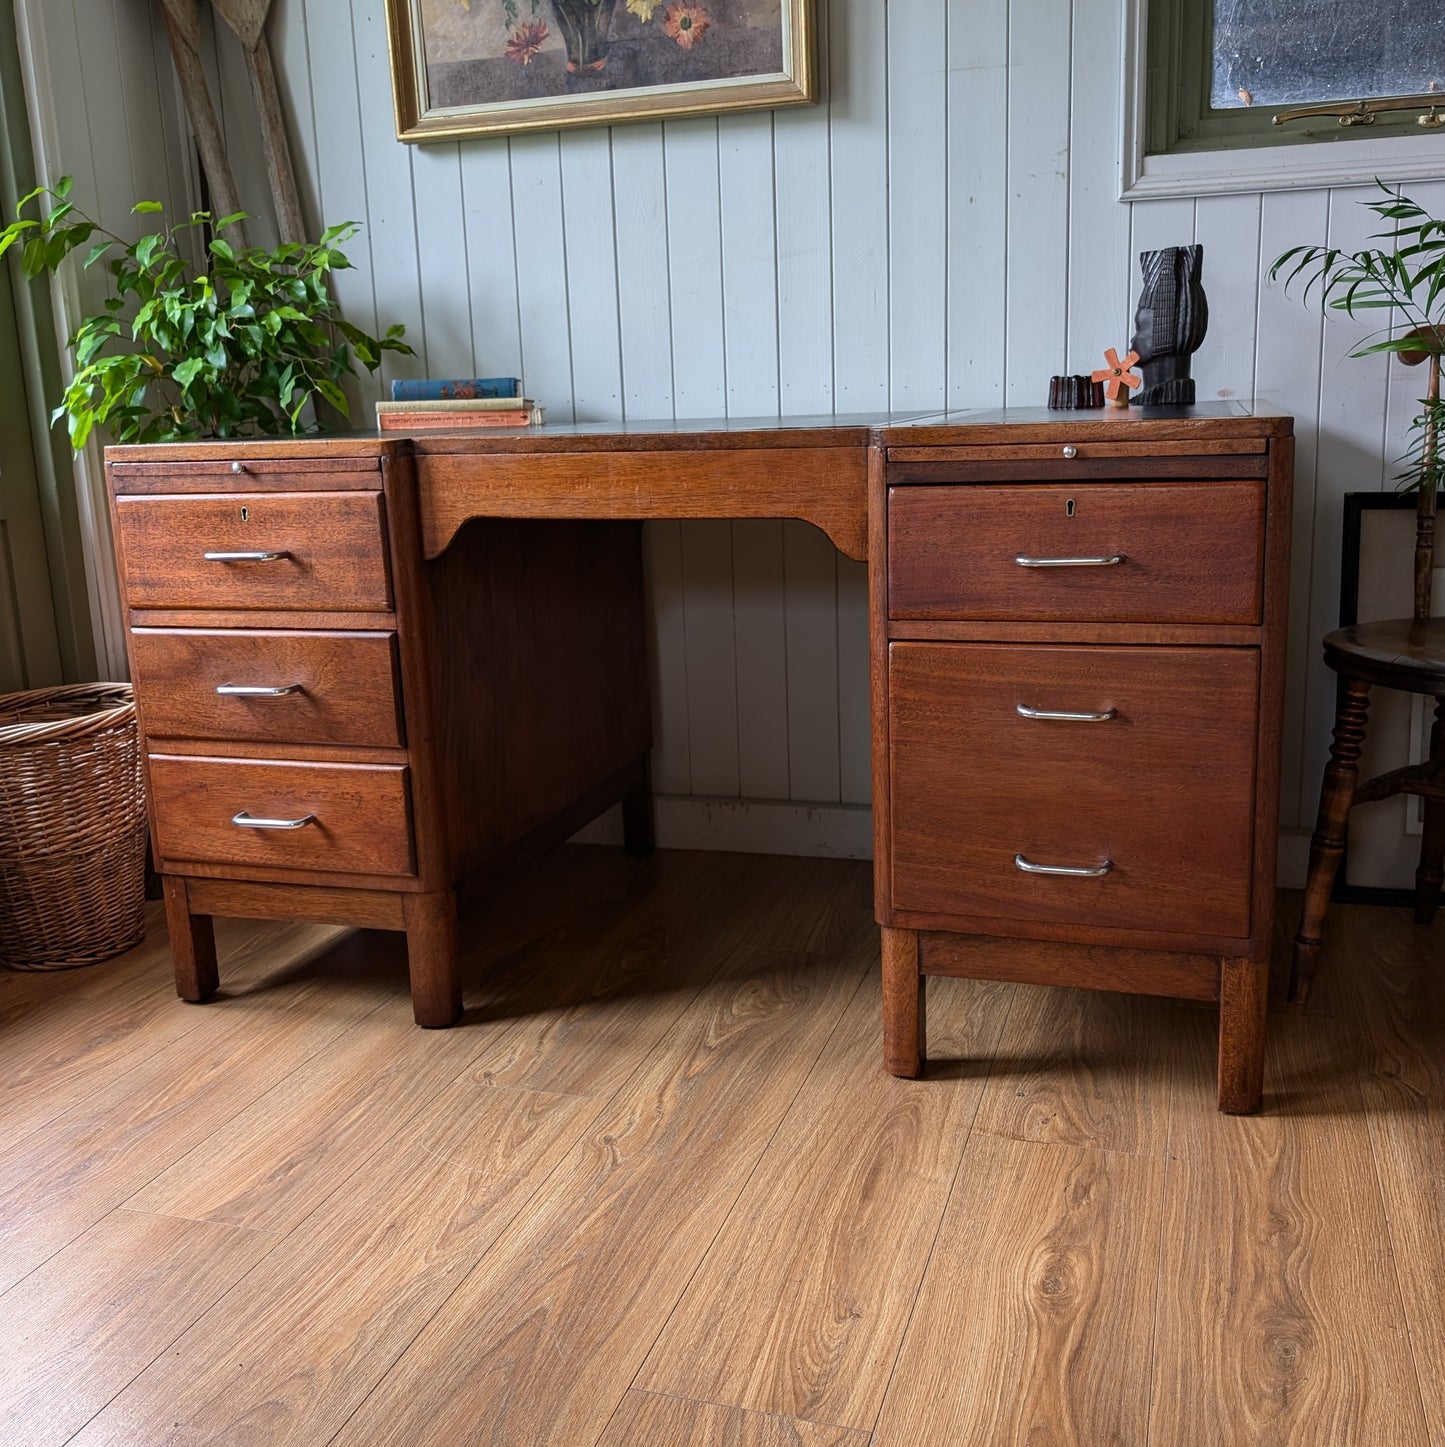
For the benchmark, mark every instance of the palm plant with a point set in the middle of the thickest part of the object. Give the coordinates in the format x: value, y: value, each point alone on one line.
x: 1405, y: 276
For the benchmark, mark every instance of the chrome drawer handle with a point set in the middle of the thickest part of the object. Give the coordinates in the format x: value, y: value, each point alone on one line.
x: 1070, y: 872
x: 248, y: 690
x: 243, y: 820
x: 256, y: 557
x: 1024, y: 711
x: 1108, y: 562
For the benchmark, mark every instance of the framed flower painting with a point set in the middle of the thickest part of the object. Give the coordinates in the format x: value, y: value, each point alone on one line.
x: 497, y: 67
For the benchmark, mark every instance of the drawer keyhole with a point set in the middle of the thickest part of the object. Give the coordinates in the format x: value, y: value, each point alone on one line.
x: 246, y: 513
x: 1068, y: 509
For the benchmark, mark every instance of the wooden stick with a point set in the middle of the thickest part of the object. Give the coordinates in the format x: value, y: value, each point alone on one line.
x: 279, y: 170
x: 247, y: 18
x: 1425, y: 503
x: 183, y: 27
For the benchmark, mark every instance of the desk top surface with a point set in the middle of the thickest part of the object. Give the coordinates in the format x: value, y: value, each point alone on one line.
x: 886, y: 429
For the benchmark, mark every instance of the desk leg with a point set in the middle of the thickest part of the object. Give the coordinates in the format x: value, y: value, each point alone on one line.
x: 193, y: 944
x: 1243, y: 997
x: 637, y: 835
x: 905, y: 1036
x: 431, y: 952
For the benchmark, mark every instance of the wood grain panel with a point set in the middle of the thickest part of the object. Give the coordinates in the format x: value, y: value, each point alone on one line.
x: 675, y: 1422
x: 97, y: 1313
x: 286, y: 1152
x: 347, y: 686
x: 535, y: 633
x: 1084, y: 1069
x: 823, y: 485
x: 1039, y: 1290
x: 112, y: 1019
x: 1074, y: 794
x: 1190, y: 554
x: 1382, y: 971
x: 1046, y: 961
x: 1282, y: 1320
x: 373, y: 909
x: 832, y: 1256
x: 390, y: 1251
x: 344, y: 469
x: 1282, y: 1253
x: 1085, y: 450
x: 536, y: 1342
x: 334, y: 546
x: 360, y: 811
x: 58, y: 1183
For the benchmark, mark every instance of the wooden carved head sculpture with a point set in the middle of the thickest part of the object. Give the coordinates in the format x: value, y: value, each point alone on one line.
x: 1169, y: 324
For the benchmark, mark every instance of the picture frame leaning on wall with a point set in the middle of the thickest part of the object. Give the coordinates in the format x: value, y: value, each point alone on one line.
x: 502, y: 67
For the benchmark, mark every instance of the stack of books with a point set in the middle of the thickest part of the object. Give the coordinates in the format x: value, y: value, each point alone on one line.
x: 429, y: 404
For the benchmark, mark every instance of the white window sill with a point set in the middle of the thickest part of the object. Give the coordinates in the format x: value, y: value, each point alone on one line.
x: 1283, y: 168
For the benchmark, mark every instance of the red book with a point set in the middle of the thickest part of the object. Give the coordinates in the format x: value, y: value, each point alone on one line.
x: 448, y: 421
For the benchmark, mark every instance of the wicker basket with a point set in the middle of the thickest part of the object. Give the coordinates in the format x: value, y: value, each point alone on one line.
x: 72, y: 826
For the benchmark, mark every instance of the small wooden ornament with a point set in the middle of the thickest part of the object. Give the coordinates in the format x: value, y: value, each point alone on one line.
x: 1071, y: 392
x: 1117, y: 378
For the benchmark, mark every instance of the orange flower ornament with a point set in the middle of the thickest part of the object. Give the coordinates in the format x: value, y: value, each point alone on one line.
x: 1117, y: 378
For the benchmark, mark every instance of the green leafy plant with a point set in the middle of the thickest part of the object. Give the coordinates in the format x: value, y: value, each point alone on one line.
x: 238, y: 346
x: 1405, y: 276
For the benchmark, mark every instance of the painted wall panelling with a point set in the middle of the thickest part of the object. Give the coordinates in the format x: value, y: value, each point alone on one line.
x: 943, y: 229
x: 103, y: 108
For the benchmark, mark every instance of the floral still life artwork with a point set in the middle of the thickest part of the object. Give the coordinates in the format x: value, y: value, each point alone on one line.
x: 475, y: 67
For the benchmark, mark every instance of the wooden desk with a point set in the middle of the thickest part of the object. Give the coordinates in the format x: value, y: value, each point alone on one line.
x: 375, y: 673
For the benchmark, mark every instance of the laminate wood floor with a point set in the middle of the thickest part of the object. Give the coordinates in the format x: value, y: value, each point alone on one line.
x: 655, y: 1190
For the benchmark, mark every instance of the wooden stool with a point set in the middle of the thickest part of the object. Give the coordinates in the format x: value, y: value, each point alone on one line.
x: 1403, y: 654
x: 1407, y: 654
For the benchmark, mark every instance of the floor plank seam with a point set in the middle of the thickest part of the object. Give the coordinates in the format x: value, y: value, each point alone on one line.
x: 1395, y: 1253
x: 938, y: 1230
x: 109, y: 1079
x: 1083, y: 1145
x: 301, y: 1222
x: 724, y: 955
x: 737, y: 1196
x: 1169, y: 1109
x: 197, y: 1220
x: 522, y: 1206
x: 256, y: 1099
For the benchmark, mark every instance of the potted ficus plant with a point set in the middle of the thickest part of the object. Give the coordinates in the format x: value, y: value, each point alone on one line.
x: 1402, y: 279
x: 247, y: 342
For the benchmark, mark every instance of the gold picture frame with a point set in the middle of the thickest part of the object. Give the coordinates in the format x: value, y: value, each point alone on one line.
x: 466, y: 67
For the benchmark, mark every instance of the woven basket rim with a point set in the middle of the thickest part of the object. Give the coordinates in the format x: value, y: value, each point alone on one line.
x: 86, y: 707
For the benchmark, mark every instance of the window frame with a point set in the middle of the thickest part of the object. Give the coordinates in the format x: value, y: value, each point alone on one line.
x: 1221, y: 160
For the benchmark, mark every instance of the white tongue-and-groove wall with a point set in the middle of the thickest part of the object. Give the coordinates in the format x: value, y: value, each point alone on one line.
x: 944, y: 229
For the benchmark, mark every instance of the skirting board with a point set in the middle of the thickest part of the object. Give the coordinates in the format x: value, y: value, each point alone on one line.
x: 749, y: 826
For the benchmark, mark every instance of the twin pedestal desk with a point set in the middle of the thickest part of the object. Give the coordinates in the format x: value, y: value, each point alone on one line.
x: 372, y: 671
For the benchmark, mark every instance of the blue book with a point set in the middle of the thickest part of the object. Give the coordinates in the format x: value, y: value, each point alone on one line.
x: 454, y: 389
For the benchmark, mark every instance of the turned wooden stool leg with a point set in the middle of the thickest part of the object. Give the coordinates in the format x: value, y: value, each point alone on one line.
x: 193, y: 945
x: 1243, y: 996
x: 1429, y: 875
x: 431, y: 952
x: 905, y: 1003
x: 1328, y: 844
x: 637, y: 835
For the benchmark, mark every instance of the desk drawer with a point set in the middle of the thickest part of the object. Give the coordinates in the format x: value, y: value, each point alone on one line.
x: 1163, y: 788
x: 342, y: 687
x: 328, y: 551
x: 1188, y: 553
x: 359, y: 814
